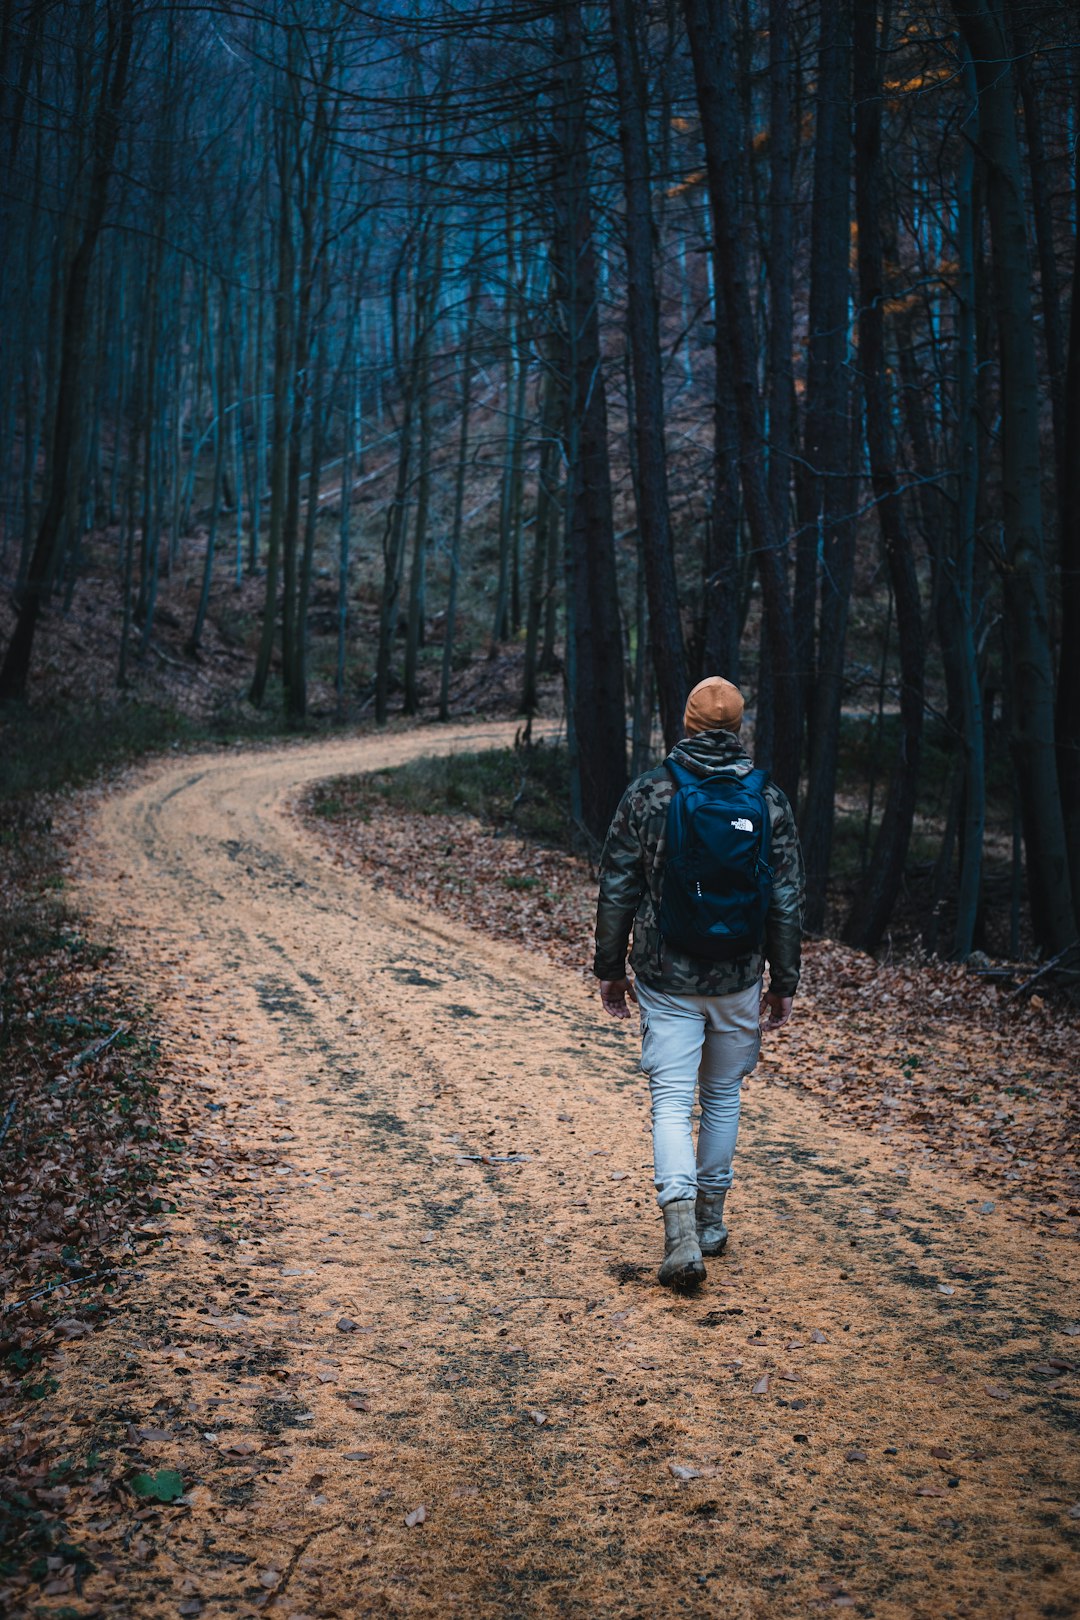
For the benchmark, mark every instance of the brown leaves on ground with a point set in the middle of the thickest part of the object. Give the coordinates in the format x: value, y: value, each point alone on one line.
x: 924, y: 1053
x: 83, y: 1173
x: 500, y: 883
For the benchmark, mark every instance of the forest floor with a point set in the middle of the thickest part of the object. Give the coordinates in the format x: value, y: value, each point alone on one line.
x: 395, y: 1346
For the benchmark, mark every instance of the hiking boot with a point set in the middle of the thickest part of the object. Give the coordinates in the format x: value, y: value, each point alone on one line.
x: 712, y: 1234
x: 681, y: 1268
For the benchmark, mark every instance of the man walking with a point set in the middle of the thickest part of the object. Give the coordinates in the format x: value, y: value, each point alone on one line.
x: 702, y: 863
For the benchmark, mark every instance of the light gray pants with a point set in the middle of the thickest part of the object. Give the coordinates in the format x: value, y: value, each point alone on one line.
x: 702, y: 1043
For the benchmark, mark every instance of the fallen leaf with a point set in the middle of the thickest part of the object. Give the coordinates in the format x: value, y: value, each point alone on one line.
x: 240, y: 1448
x: 164, y: 1486
x: 417, y: 1516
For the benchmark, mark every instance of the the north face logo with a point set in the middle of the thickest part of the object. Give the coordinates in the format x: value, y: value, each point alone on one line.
x: 742, y: 825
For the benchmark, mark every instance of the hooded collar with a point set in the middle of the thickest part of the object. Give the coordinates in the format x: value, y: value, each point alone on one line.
x: 709, y: 751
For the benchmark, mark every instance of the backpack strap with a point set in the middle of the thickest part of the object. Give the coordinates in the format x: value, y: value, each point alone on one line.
x: 755, y: 780
x: 680, y: 775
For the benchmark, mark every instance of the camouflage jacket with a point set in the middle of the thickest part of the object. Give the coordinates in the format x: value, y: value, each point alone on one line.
x: 631, y: 872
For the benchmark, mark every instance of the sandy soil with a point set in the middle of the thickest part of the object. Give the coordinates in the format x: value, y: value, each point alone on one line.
x: 414, y: 1267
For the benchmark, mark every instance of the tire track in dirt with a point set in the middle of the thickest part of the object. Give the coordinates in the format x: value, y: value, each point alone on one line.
x: 368, y: 1064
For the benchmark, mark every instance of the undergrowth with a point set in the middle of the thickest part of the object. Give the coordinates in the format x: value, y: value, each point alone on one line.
x: 525, y: 788
x: 47, y: 749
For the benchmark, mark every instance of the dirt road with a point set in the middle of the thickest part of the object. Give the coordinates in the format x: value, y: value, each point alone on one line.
x: 414, y: 1267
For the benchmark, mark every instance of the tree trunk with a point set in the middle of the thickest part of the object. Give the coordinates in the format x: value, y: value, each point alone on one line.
x: 1068, y: 690
x: 430, y: 276
x: 450, y: 629
x: 218, y: 398
x: 643, y: 335
x: 824, y: 496
x: 708, y: 25
x: 414, y: 634
x: 298, y: 684
x: 873, y: 906
x: 781, y: 380
x: 599, y: 751
x: 352, y: 439
x: 65, y: 436
x: 546, y: 517
x: 394, y: 551
x: 722, y: 561
x: 1025, y: 599
x: 284, y: 386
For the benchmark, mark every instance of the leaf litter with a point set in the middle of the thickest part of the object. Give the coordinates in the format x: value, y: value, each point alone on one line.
x: 403, y: 1413
x: 938, y: 1060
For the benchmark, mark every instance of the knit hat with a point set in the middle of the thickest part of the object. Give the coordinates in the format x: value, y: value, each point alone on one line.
x: 713, y: 705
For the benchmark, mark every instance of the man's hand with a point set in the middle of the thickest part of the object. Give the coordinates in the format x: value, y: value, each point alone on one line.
x: 613, y: 994
x: 778, y: 1009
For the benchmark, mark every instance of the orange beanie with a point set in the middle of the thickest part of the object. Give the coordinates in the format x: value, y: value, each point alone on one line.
x: 713, y: 705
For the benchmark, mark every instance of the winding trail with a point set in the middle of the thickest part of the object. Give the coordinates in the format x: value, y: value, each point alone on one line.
x: 414, y: 1265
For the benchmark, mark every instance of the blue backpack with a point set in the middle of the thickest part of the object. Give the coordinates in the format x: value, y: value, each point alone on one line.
x: 717, y: 879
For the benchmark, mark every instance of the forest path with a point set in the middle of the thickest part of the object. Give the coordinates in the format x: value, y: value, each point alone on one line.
x: 364, y: 1305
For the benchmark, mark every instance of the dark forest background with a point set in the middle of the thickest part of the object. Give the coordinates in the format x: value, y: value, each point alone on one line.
x: 359, y: 352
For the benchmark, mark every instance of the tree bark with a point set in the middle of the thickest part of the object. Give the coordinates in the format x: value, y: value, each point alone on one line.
x: 450, y: 628
x: 708, y: 25
x: 599, y: 752
x: 65, y: 437
x: 1025, y: 596
x: 1067, y: 734
x: 825, y: 497
x: 546, y: 517
x: 643, y: 333
x: 873, y: 906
